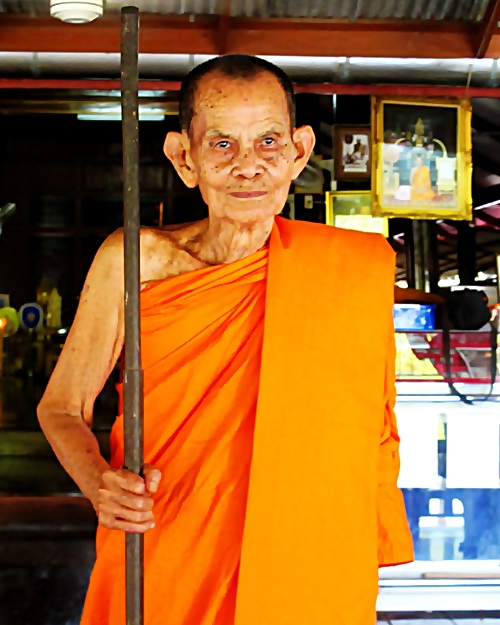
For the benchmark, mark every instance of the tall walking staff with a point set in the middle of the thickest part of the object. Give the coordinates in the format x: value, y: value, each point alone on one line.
x: 132, y: 375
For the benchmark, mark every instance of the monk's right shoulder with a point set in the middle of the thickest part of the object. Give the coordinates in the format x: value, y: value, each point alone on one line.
x: 109, y: 261
x: 163, y: 252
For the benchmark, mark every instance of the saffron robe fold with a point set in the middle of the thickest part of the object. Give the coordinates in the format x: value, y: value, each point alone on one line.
x: 269, y: 395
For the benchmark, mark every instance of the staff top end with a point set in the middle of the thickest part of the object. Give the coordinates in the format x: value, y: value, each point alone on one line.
x: 130, y: 10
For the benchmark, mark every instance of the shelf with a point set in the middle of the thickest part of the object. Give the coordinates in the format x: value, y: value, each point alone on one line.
x: 98, y: 231
x: 151, y: 196
x: 54, y: 232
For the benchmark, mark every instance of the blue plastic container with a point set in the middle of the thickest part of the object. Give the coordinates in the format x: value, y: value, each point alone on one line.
x: 408, y: 317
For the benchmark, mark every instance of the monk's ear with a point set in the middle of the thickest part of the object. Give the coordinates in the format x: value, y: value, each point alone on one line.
x: 304, y: 140
x: 177, y: 150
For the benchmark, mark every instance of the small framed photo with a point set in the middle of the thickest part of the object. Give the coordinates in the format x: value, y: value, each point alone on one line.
x: 422, y: 166
x: 353, y: 147
x: 352, y: 210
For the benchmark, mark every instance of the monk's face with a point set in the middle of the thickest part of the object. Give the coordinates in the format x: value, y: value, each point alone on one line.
x: 241, y: 150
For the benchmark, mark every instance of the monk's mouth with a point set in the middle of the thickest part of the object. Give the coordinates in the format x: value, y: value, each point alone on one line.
x: 248, y: 195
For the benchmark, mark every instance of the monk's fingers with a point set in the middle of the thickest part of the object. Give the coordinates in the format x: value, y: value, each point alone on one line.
x: 111, y: 522
x: 124, y: 479
x: 125, y: 499
x: 122, y: 513
x: 152, y: 478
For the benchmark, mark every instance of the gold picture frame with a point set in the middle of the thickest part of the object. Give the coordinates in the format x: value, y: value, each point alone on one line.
x: 352, y: 210
x: 421, y: 162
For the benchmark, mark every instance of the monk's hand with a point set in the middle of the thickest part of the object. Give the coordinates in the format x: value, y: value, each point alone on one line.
x: 125, y: 501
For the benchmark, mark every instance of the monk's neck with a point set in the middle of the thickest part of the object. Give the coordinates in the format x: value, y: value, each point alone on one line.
x: 226, y: 241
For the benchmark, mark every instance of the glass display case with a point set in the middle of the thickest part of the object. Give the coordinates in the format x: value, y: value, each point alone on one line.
x: 450, y: 476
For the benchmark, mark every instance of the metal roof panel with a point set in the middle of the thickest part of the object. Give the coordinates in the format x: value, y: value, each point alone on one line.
x: 455, y: 10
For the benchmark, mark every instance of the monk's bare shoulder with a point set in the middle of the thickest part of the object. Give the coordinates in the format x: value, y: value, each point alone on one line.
x: 164, y: 251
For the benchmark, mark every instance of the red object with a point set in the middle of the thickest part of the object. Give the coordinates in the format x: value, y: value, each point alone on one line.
x: 459, y: 342
x: 327, y: 88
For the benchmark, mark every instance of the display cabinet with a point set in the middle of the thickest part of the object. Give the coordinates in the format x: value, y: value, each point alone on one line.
x: 450, y: 476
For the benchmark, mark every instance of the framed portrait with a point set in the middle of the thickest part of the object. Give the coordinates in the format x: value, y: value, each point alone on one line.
x: 352, y: 210
x: 421, y: 166
x: 353, y: 147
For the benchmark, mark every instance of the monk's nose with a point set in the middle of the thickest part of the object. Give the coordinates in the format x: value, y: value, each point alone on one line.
x: 248, y: 164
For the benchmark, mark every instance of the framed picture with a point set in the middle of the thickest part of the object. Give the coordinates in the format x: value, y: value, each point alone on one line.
x: 353, y: 146
x: 421, y: 166
x: 352, y: 210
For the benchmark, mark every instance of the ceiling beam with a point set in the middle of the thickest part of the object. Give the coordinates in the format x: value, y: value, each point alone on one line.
x: 488, y: 28
x: 488, y: 195
x: 316, y: 88
x: 491, y: 220
x: 224, y: 24
x: 178, y: 35
x: 158, y: 34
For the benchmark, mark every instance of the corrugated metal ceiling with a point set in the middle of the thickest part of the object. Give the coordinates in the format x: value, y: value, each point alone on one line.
x: 457, y: 10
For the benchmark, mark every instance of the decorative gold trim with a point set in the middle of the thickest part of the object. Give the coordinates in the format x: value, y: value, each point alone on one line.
x: 463, y: 211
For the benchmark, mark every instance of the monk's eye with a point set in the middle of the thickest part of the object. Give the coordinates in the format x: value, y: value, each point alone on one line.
x: 224, y: 145
x: 269, y: 141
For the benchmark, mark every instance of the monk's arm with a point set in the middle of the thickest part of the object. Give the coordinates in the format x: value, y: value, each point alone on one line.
x: 394, y: 540
x: 416, y: 296
x: 92, y: 348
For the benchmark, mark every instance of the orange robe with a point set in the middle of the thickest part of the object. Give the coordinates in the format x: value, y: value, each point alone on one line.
x: 269, y: 392
x: 421, y: 187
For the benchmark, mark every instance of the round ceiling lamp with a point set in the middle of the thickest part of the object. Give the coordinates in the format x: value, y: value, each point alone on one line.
x: 76, y: 12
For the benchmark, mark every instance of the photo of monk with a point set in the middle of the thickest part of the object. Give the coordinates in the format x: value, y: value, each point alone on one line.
x: 419, y: 156
x: 353, y: 153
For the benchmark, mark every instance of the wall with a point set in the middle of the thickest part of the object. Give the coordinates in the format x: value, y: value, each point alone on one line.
x: 65, y: 177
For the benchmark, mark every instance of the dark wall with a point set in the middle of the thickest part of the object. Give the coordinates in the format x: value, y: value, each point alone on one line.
x: 65, y: 177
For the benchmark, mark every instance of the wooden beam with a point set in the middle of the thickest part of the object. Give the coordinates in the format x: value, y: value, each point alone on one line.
x: 316, y: 88
x: 491, y: 220
x: 224, y: 23
x: 83, y: 84
x: 159, y: 35
x: 488, y: 27
x: 359, y: 39
x: 430, y: 91
x: 304, y: 37
x: 493, y: 51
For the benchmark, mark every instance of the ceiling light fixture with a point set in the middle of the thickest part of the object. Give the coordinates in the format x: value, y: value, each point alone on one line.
x: 76, y: 12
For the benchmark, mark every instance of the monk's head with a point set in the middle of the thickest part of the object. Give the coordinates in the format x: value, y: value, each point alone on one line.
x: 238, y: 140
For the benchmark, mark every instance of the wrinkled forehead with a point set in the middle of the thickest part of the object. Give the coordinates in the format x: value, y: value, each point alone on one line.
x: 225, y: 100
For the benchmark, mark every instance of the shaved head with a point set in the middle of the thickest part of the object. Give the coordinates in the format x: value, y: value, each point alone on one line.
x: 237, y: 66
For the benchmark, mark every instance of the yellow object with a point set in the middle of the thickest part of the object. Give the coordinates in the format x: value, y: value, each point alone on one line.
x: 358, y: 217
x: 425, y: 205
x: 54, y: 310
x: 9, y: 321
x: 421, y: 188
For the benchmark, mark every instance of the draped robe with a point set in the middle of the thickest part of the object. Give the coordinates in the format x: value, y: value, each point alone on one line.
x: 421, y: 186
x: 269, y: 393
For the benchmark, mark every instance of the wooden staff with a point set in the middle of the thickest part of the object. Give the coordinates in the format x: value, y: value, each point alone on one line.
x: 132, y: 375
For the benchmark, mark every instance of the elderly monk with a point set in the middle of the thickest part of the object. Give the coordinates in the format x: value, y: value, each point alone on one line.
x: 269, y: 495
